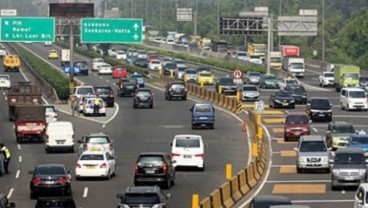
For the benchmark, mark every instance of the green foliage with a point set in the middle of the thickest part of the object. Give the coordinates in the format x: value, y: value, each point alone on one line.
x: 55, y: 78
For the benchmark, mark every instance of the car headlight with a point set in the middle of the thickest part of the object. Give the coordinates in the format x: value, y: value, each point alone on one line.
x: 362, y: 171
x: 292, y: 101
x: 278, y: 101
x: 301, y: 159
x: 335, y: 171
x: 324, y: 159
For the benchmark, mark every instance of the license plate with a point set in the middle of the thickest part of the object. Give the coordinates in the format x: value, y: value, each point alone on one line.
x: 49, y: 182
x: 349, y: 178
x: 150, y: 171
x: 285, y: 104
x: 60, y: 141
x: 90, y: 167
x: 129, y: 87
x: 187, y: 156
x: 297, y: 133
x: 202, y: 118
x: 321, y: 115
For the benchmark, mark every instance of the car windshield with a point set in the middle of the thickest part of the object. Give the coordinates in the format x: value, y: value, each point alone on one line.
x: 297, y: 65
x: 203, y: 109
x: 260, y: 50
x: 275, y: 59
x: 106, y: 65
x: 170, y: 66
x: 155, y: 62
x: 291, y: 81
x: 282, y: 94
x: 190, y: 72
x: 119, y: 68
x: 297, y: 119
x: 254, y: 57
x: 50, y: 109
x: 349, y: 158
x: 182, y: 69
x: 227, y: 80
x: 270, y: 78
x: 50, y: 170
x: 359, y: 140
x: 351, y: 76
x: 249, y: 88
x: 179, y: 62
x: 4, y: 78
x: 150, y: 159
x: 98, y: 60
x: 320, y: 104
x: 91, y: 157
x: 357, y: 94
x: 328, y: 74
x: 343, y: 129
x: 242, y: 54
x: 297, y: 88
x: 139, y: 198
x: 205, y: 75
x: 363, y: 79
x: 98, y: 140
x: 312, y: 146
x: 84, y: 91
x: 254, y: 74
x: 137, y: 76
x: 187, y: 143
x: 143, y: 93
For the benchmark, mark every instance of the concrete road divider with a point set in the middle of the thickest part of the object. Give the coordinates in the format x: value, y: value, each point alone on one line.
x: 216, y: 199
x: 221, y: 100
x: 206, y: 203
x: 216, y: 99
x: 203, y: 93
x: 208, y: 95
x: 227, y: 200
x: 257, y: 171
x: 251, y: 179
x: 244, y: 188
x: 232, y: 104
x: 212, y: 97
x: 235, y: 188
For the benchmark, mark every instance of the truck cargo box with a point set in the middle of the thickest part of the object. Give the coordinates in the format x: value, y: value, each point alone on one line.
x: 30, y: 122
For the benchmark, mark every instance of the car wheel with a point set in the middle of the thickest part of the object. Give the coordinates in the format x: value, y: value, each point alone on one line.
x: 167, y: 183
x: 202, y: 168
x: 298, y: 170
x: 193, y: 127
x: 342, y: 106
x: 185, y: 98
x: 333, y: 188
x: 151, y: 106
x: 286, y: 139
x: 108, y: 176
x: 33, y: 196
x: 212, y: 126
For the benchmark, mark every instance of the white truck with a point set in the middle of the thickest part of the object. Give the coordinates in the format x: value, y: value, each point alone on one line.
x: 65, y: 57
x: 294, y: 65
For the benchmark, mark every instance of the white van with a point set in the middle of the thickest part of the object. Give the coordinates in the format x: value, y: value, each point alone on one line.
x: 59, y: 136
x: 353, y: 98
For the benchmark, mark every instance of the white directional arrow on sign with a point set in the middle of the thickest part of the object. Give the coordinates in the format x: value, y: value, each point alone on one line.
x: 135, y: 37
x: 6, y: 22
x: 136, y: 26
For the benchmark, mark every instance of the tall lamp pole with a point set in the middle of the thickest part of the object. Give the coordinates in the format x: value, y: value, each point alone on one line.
x: 280, y: 10
x: 323, y: 30
x: 218, y: 17
x: 195, y: 17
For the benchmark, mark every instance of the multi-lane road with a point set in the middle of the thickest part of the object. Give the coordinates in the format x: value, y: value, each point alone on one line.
x: 133, y: 131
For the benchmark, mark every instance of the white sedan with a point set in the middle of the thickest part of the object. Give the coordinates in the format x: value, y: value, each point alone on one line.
x: 187, y: 150
x: 121, y: 55
x: 105, y: 69
x: 88, y: 106
x: 154, y: 65
x: 95, y: 164
x: 5, y: 82
x: 255, y: 59
x: 288, y: 81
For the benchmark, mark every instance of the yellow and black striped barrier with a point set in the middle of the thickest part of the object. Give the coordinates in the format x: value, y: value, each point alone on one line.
x: 239, y: 107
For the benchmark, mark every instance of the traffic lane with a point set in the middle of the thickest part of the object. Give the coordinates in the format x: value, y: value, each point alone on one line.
x: 142, y: 130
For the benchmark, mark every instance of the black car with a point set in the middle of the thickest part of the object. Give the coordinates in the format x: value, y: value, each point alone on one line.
x: 156, y: 168
x: 319, y: 109
x: 143, y: 196
x: 50, y: 179
x: 83, y: 66
x: 227, y: 85
x: 167, y: 68
x: 143, y: 97
x: 363, y: 81
x: 56, y: 202
x: 127, y: 86
x: 266, y: 201
x: 298, y: 92
x: 141, y: 62
x: 175, y: 90
x: 281, y: 99
x: 4, y: 202
x: 107, y: 94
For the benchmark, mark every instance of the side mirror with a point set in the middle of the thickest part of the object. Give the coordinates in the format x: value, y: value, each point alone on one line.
x: 119, y: 196
x: 329, y: 149
x: 331, y: 161
x: 70, y: 177
x: 191, y: 109
x: 308, y: 104
x: 328, y: 132
x: 170, y: 144
x: 310, y: 121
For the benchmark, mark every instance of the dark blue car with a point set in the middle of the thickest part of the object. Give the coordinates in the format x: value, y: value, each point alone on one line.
x: 203, y: 115
x: 359, y: 140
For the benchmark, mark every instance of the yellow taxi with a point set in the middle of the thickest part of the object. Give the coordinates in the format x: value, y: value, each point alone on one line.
x: 205, y: 78
x: 53, y: 54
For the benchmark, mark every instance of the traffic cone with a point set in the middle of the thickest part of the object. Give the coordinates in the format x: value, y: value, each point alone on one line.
x: 244, y: 126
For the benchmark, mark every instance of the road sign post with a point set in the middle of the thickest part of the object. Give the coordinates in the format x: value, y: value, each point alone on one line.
x: 95, y: 30
x: 259, y: 106
x: 22, y: 29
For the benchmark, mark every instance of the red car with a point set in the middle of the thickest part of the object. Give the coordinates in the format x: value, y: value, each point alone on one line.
x: 119, y: 72
x: 296, y: 125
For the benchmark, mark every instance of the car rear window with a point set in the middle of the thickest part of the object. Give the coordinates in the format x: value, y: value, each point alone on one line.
x: 92, y: 157
x: 84, y: 91
x: 297, y: 119
x: 103, y: 90
x: 143, y: 92
x: 98, y: 140
x: 150, y: 159
x: 203, y: 108
x: 349, y: 158
x: 4, y: 78
x: 49, y: 109
x: 141, y: 198
x: 313, y: 146
x: 187, y: 143
x: 343, y: 129
x: 250, y: 88
x: 177, y: 86
x: 320, y: 104
x: 50, y: 170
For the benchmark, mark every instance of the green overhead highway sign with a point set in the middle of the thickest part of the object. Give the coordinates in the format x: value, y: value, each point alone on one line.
x: 22, y: 29
x: 94, y: 30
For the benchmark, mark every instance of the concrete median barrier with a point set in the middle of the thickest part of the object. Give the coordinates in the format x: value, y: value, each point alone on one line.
x: 251, y: 179
x: 235, y: 188
x: 197, y: 91
x: 206, y: 203
x: 232, y: 103
x: 216, y: 199
x: 221, y: 100
x: 203, y: 93
x: 216, y: 99
x: 212, y: 97
x: 207, y: 95
x: 244, y: 188
x: 227, y: 200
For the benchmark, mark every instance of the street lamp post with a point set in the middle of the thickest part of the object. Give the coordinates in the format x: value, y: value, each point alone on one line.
x: 195, y: 17
x: 280, y: 10
x: 323, y: 30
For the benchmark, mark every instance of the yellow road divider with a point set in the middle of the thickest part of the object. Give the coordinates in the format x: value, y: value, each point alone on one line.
x: 272, y: 112
x: 282, y: 141
x: 227, y: 200
x: 206, y: 203
x: 195, y: 201
x: 235, y: 188
x: 216, y: 198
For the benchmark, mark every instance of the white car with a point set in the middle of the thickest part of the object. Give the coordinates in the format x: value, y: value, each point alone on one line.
x: 188, y: 151
x: 361, y: 196
x: 353, y: 98
x: 59, y: 135
x: 180, y: 63
x: 48, y: 43
x: 96, y: 63
x: 95, y: 164
x: 105, y: 69
x: 288, y: 81
x: 326, y: 79
x: 88, y: 106
x: 111, y: 52
x: 121, y: 55
x: 250, y: 93
x: 154, y: 65
x: 255, y: 59
x: 96, y: 142
x: 5, y: 82
x: 50, y: 113
x: 2, y: 51
x: 241, y: 55
x: 82, y: 90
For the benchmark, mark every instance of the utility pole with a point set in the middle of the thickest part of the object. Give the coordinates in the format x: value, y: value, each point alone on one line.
x: 71, y: 46
x: 323, y: 30
x: 195, y: 17
x: 269, y: 29
x: 280, y: 10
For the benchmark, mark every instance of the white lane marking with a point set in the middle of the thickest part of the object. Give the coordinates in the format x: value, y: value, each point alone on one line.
x: 3, y: 93
x: 19, y: 147
x: 13, y: 126
x: 323, y: 201
x: 17, y: 174
x: 113, y: 116
x: 10, y: 193
x: 314, y: 129
x: 107, y: 80
x: 20, y: 159
x: 90, y: 119
x: 24, y: 76
x: 6, y: 98
x: 286, y: 111
x: 85, y: 192
x: 100, y: 77
x: 173, y: 126
x: 300, y: 181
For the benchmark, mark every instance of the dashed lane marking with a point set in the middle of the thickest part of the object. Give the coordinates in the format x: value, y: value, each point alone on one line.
x: 324, y: 201
x: 288, y: 153
x: 173, y: 126
x: 19, y: 147
x: 299, y: 189
x: 315, y: 130
x: 17, y: 174
x: 278, y: 130
x: 282, y: 141
x: 10, y: 193
x: 274, y: 120
x: 288, y: 169
x: 20, y: 159
x: 85, y: 192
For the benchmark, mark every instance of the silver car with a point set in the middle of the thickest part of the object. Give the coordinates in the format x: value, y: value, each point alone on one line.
x: 313, y: 153
x: 250, y: 93
x: 252, y: 78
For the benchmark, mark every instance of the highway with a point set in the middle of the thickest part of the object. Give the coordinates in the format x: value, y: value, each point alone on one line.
x: 133, y: 131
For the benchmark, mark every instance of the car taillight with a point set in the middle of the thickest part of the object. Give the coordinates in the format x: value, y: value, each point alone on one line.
x: 85, y: 146
x: 175, y: 155
x: 164, y: 168
x: 199, y: 155
x: 287, y: 130
x: 110, y: 146
x: 78, y: 165
x: 63, y: 180
x: 111, y: 94
x: 103, y: 165
x: 136, y: 168
x: 37, y: 181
